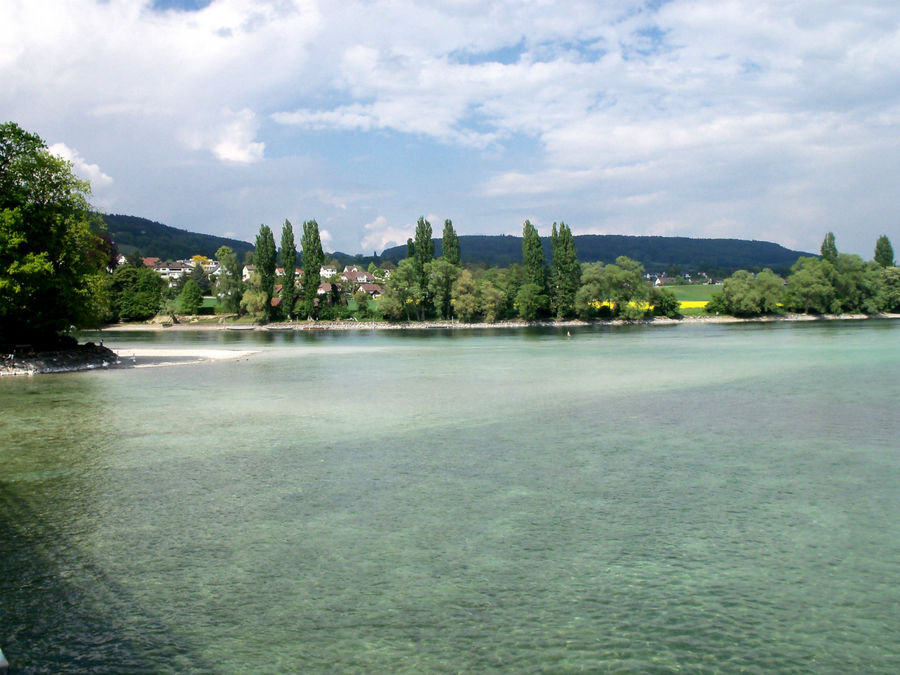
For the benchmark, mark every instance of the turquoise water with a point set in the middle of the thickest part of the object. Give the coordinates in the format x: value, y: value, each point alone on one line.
x: 697, y: 498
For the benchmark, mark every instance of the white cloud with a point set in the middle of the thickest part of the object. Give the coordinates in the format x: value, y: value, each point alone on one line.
x: 379, y: 234
x: 231, y: 138
x: 326, y: 238
x: 82, y: 168
x: 691, y: 117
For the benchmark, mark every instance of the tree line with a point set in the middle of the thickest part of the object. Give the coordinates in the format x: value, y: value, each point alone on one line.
x: 58, y: 269
x: 835, y: 283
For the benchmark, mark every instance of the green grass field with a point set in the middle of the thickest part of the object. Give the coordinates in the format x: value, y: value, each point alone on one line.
x: 693, y: 294
x: 694, y: 291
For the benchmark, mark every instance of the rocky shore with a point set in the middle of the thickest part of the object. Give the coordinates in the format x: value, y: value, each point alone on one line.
x: 79, y: 357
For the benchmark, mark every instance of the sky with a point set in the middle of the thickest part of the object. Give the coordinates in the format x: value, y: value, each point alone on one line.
x: 768, y: 120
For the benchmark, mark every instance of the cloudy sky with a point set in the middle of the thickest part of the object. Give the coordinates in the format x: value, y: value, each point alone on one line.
x: 761, y: 119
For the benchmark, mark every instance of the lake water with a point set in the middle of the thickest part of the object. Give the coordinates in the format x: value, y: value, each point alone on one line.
x: 709, y: 498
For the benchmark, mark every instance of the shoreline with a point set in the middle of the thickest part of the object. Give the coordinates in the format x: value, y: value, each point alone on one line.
x: 313, y: 326
x: 89, y: 356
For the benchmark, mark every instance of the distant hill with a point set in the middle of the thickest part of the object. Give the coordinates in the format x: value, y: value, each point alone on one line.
x: 718, y: 257
x: 714, y: 256
x: 132, y: 233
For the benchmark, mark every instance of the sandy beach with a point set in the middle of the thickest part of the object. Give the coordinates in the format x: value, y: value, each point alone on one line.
x: 187, y: 325
x: 149, y: 357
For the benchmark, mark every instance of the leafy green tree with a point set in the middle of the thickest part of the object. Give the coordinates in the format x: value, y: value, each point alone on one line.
x: 566, y: 272
x: 450, y: 244
x: 664, y: 303
x: 229, y: 286
x: 856, y: 284
x: 829, y: 249
x: 768, y: 289
x: 423, y: 248
x: 199, y: 277
x: 289, y: 264
x: 627, y: 289
x: 264, y: 256
x: 403, y: 294
x: 531, y: 301
x: 890, y: 289
x: 533, y: 257
x: 441, y: 275
x: 52, y: 266
x: 254, y: 299
x: 312, y: 260
x: 884, y: 252
x: 136, y: 293
x: 190, y: 299
x: 594, y: 291
x: 809, y: 288
x: 464, y: 298
x: 361, y: 299
x: 491, y: 300
x: 744, y: 294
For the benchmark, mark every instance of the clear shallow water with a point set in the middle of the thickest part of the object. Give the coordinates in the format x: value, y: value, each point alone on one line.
x: 704, y: 498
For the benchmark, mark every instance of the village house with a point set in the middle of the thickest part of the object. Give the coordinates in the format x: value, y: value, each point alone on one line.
x: 356, y: 275
x: 172, y: 271
x: 372, y: 289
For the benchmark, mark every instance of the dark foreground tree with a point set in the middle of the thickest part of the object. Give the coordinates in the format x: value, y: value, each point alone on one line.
x: 52, y: 264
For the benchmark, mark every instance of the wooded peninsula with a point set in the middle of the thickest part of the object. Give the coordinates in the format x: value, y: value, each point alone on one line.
x: 60, y: 269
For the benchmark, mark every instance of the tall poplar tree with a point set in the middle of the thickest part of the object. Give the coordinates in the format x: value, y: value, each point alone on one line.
x: 228, y: 282
x: 312, y: 260
x: 829, y: 249
x: 566, y: 271
x: 533, y: 257
x: 264, y: 259
x: 450, y: 244
x: 884, y: 252
x: 423, y: 248
x: 289, y: 263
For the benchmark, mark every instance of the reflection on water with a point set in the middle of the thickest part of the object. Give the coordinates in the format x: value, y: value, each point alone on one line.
x: 712, y: 497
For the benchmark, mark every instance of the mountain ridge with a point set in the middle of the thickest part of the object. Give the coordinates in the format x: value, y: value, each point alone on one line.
x: 718, y: 257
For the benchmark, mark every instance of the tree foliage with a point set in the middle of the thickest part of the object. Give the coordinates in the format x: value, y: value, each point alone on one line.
x: 403, y: 296
x: 228, y: 283
x: 745, y: 294
x: 52, y: 264
x: 565, y: 277
x: 884, y: 252
x: 829, y: 248
x: 135, y: 293
x: 289, y: 264
x: 441, y: 275
x: 190, y: 299
x: 264, y: 257
x: 450, y: 244
x: 312, y: 259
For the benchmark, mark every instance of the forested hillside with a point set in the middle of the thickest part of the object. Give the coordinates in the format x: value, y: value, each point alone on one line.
x: 718, y: 257
x: 155, y: 239
x: 714, y: 256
